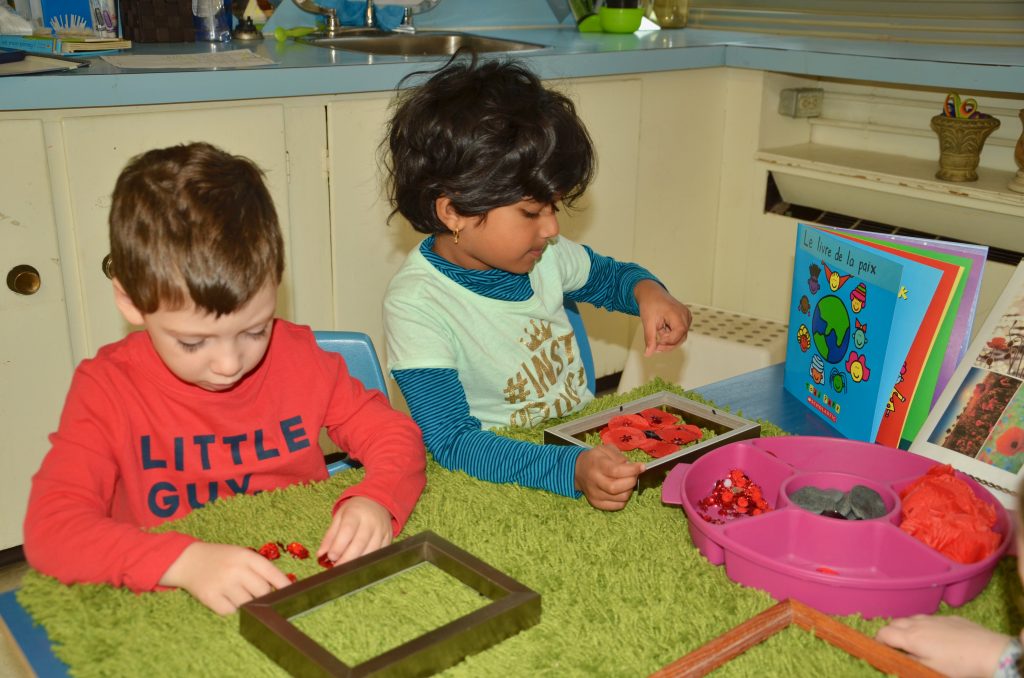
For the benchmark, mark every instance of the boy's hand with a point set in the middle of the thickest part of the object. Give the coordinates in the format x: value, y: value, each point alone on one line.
x: 359, y: 526
x: 665, y: 319
x: 950, y: 645
x: 606, y: 477
x: 223, y: 577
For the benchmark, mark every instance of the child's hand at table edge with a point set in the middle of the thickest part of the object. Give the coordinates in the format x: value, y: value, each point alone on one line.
x: 606, y: 477
x: 666, y: 320
x: 359, y: 526
x: 223, y: 577
x: 951, y: 645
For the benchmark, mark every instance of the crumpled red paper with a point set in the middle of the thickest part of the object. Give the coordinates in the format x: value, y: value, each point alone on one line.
x: 942, y: 511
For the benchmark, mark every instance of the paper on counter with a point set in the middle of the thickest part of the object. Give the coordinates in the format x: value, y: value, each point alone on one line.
x: 236, y: 58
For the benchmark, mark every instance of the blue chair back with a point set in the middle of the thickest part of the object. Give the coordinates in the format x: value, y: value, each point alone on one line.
x: 361, y: 358
x: 584, y: 343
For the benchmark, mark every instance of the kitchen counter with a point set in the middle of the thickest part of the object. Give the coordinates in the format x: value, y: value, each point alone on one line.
x: 302, y: 70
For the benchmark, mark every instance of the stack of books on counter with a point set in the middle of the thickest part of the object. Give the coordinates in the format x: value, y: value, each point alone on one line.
x: 71, y: 28
x: 65, y: 45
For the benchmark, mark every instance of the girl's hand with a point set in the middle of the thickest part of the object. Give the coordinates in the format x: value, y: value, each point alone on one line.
x: 606, y: 477
x: 665, y: 319
x: 950, y: 645
x: 359, y: 526
x: 223, y: 577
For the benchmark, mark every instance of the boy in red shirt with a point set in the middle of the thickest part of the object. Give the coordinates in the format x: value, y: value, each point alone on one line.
x: 216, y: 397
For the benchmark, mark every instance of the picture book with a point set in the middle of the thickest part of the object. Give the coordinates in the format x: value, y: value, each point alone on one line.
x: 913, y: 392
x: 81, y: 46
x: 855, y: 312
x: 972, y: 258
x: 97, y: 18
x: 977, y: 424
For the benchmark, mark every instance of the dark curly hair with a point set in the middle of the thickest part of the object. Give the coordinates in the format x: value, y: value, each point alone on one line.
x: 484, y: 133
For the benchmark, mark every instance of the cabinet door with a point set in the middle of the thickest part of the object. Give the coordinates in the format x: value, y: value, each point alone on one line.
x: 605, y: 219
x: 35, y: 350
x: 97, y: 147
x: 367, y: 251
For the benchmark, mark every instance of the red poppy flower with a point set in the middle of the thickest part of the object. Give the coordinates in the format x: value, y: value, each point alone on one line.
x: 662, y: 449
x: 1011, y: 442
x: 998, y: 343
x: 630, y: 420
x: 659, y: 418
x: 680, y: 435
x: 627, y: 438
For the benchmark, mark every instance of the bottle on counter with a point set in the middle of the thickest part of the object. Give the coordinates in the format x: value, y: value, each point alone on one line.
x: 212, y: 20
x: 668, y: 13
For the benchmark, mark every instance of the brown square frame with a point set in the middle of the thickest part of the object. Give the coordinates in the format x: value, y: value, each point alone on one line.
x: 264, y: 622
x: 760, y: 627
x: 728, y: 427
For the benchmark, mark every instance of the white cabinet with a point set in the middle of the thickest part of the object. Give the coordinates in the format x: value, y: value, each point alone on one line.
x: 59, y: 192
x: 871, y: 155
x: 652, y: 169
x: 654, y: 201
x: 35, y: 350
x: 97, y: 146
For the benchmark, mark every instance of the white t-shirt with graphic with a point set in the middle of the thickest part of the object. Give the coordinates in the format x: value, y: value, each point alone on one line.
x: 518, y: 361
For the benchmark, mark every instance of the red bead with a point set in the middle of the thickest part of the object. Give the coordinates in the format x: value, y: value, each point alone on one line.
x: 291, y: 577
x: 325, y: 561
x: 297, y: 550
x: 735, y: 495
x: 270, y: 551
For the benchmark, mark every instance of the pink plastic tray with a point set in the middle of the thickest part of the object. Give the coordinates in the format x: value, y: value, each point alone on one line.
x: 879, y: 569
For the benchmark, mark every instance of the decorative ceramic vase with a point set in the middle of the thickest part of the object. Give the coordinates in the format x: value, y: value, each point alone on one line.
x: 1017, y: 182
x: 960, y: 142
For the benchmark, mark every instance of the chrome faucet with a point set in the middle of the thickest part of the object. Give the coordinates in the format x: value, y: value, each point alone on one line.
x: 333, y: 27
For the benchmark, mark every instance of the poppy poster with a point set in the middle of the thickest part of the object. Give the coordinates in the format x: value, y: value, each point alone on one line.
x: 856, y: 309
x: 977, y: 424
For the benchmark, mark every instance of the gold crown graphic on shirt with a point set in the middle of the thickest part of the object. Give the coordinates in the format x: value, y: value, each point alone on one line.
x: 536, y: 336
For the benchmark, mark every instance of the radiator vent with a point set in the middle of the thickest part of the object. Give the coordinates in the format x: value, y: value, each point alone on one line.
x: 774, y: 204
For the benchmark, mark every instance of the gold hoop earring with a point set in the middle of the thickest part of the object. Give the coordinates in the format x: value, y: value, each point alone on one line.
x: 457, y: 237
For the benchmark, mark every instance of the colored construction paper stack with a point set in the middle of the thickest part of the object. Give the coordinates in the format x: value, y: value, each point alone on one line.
x: 877, y: 325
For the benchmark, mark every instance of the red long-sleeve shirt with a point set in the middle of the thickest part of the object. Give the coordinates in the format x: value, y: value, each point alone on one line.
x: 136, y: 447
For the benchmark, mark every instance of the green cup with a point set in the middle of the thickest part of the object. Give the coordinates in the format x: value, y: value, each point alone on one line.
x: 620, y: 20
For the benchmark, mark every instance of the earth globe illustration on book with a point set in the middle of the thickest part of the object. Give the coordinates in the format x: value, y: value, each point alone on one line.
x: 830, y: 329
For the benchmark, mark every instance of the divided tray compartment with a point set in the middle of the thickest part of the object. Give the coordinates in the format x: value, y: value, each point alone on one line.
x: 870, y: 567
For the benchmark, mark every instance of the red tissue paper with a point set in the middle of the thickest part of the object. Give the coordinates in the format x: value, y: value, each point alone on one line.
x: 942, y: 511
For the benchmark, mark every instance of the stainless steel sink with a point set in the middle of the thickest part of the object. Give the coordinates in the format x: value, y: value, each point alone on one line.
x: 423, y: 43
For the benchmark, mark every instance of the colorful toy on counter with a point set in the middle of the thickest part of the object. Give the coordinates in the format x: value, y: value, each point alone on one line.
x: 955, y: 107
x: 281, y: 33
x: 870, y: 567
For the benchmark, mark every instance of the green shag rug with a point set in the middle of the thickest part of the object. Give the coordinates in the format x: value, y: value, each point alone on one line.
x: 623, y: 593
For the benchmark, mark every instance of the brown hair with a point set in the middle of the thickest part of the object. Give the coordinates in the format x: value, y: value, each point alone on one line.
x: 193, y: 222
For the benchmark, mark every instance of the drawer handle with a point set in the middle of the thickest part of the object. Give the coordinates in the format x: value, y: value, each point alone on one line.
x: 108, y: 267
x: 24, y: 279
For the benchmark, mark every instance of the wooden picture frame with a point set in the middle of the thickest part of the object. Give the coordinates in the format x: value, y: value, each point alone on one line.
x: 759, y: 628
x: 728, y: 429
x: 264, y: 622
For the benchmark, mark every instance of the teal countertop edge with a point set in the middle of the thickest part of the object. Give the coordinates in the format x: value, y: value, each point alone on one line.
x: 301, y: 70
